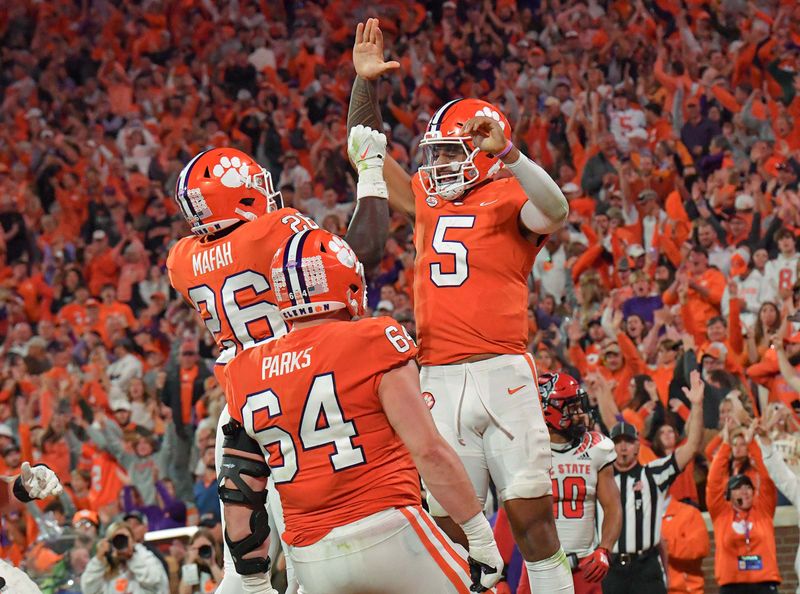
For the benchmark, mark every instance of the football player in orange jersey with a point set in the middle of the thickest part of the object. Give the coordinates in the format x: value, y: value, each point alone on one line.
x: 237, y: 223
x: 476, y: 238
x: 336, y: 409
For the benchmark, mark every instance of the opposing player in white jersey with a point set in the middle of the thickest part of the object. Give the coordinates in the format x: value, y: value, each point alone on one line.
x: 583, y: 476
x: 238, y: 222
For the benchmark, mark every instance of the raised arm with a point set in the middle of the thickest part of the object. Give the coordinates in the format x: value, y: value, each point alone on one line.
x: 546, y: 208
x: 694, y: 434
x: 365, y: 111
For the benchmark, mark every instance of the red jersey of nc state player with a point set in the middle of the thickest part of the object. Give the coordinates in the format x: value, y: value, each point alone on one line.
x: 311, y: 400
x: 225, y: 276
x: 574, y: 472
x: 473, y: 256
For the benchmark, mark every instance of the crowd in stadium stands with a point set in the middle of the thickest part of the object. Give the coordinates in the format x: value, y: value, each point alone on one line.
x: 671, y: 127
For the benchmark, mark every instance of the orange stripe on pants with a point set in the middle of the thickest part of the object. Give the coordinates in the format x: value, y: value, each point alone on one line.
x: 437, y: 556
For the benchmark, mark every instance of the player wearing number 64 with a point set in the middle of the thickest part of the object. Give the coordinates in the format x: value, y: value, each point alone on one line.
x: 238, y: 221
x: 335, y: 406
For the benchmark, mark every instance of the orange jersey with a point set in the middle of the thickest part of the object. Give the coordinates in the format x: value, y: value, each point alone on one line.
x: 310, y: 398
x: 471, y: 273
x: 227, y: 281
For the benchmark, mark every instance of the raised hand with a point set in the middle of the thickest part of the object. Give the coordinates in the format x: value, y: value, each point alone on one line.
x: 368, y: 51
x: 487, y: 134
x: 696, y: 391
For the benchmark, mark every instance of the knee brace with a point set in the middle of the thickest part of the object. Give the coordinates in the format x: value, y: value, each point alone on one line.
x: 232, y: 468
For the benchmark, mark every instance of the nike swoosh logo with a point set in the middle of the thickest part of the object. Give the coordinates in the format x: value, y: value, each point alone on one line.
x: 512, y: 391
x: 364, y: 154
x: 488, y: 203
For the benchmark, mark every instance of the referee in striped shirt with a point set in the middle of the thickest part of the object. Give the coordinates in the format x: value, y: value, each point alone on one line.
x: 635, y: 562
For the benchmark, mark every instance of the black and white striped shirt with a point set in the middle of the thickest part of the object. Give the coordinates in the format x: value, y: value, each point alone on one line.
x: 643, y: 490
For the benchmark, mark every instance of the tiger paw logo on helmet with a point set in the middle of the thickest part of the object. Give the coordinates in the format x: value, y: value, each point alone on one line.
x: 344, y: 253
x: 231, y: 172
x: 490, y: 113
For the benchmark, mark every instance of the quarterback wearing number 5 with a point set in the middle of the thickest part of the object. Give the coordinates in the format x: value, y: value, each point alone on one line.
x: 476, y: 238
x: 336, y: 409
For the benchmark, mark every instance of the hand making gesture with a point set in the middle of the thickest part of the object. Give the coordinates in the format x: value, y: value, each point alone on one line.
x: 368, y: 51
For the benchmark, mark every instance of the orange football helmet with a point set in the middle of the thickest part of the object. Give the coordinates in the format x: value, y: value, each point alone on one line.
x: 315, y: 272
x: 223, y: 186
x: 463, y: 165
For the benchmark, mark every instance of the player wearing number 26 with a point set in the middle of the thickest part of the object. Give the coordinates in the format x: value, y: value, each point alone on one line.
x: 482, y: 210
x: 336, y: 407
x: 219, y: 268
x: 222, y: 269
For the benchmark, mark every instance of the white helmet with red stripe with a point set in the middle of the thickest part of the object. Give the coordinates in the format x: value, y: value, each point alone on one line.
x: 224, y: 186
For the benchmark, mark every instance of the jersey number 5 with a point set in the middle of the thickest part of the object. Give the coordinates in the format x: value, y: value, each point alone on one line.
x: 456, y: 249
x: 568, y: 501
x: 322, y: 424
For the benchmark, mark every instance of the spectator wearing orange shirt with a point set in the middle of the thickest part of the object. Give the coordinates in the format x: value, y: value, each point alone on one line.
x: 699, y: 289
x: 745, y: 560
x: 101, y: 268
x: 684, y: 534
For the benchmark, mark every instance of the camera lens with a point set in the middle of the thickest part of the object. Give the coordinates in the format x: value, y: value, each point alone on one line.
x: 120, y: 542
x: 205, y: 551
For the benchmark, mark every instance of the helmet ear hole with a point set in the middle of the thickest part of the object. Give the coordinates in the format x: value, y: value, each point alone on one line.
x: 322, y: 248
x: 247, y: 201
x: 354, y: 288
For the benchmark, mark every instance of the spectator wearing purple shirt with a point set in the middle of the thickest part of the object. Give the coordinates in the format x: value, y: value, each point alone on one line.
x: 643, y: 303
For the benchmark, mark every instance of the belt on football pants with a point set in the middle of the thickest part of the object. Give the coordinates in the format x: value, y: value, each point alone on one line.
x: 628, y: 558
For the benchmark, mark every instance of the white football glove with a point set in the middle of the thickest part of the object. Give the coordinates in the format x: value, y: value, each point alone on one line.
x: 367, y: 150
x: 485, y: 561
x: 39, y: 481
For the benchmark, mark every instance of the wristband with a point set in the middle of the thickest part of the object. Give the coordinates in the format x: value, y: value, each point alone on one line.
x: 20, y: 492
x: 505, y: 151
x: 371, y: 183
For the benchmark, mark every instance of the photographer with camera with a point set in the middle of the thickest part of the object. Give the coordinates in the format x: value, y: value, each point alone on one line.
x: 122, y: 565
x: 201, y: 571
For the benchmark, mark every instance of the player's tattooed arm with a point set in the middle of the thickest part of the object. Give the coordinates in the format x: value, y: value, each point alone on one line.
x: 364, y: 108
x: 369, y: 230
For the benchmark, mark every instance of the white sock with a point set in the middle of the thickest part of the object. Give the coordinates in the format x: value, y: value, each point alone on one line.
x: 551, y: 575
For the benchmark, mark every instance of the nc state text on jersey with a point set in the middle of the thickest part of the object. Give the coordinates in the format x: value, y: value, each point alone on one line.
x: 215, y: 257
x: 285, y: 363
x: 576, y: 468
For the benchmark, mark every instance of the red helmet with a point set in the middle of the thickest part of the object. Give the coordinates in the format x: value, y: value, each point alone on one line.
x: 315, y: 272
x: 452, y: 179
x: 563, y: 400
x: 223, y: 186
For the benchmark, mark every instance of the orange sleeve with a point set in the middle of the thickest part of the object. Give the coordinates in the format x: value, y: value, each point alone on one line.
x: 25, y: 445
x: 735, y: 328
x: 578, y: 359
x: 726, y: 98
x: 670, y: 82
x: 670, y: 248
x: 670, y: 297
x: 712, y: 446
x: 683, y: 412
x: 765, y: 369
x: 718, y: 481
x: 631, y: 353
x: 585, y: 261
x: 717, y: 289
